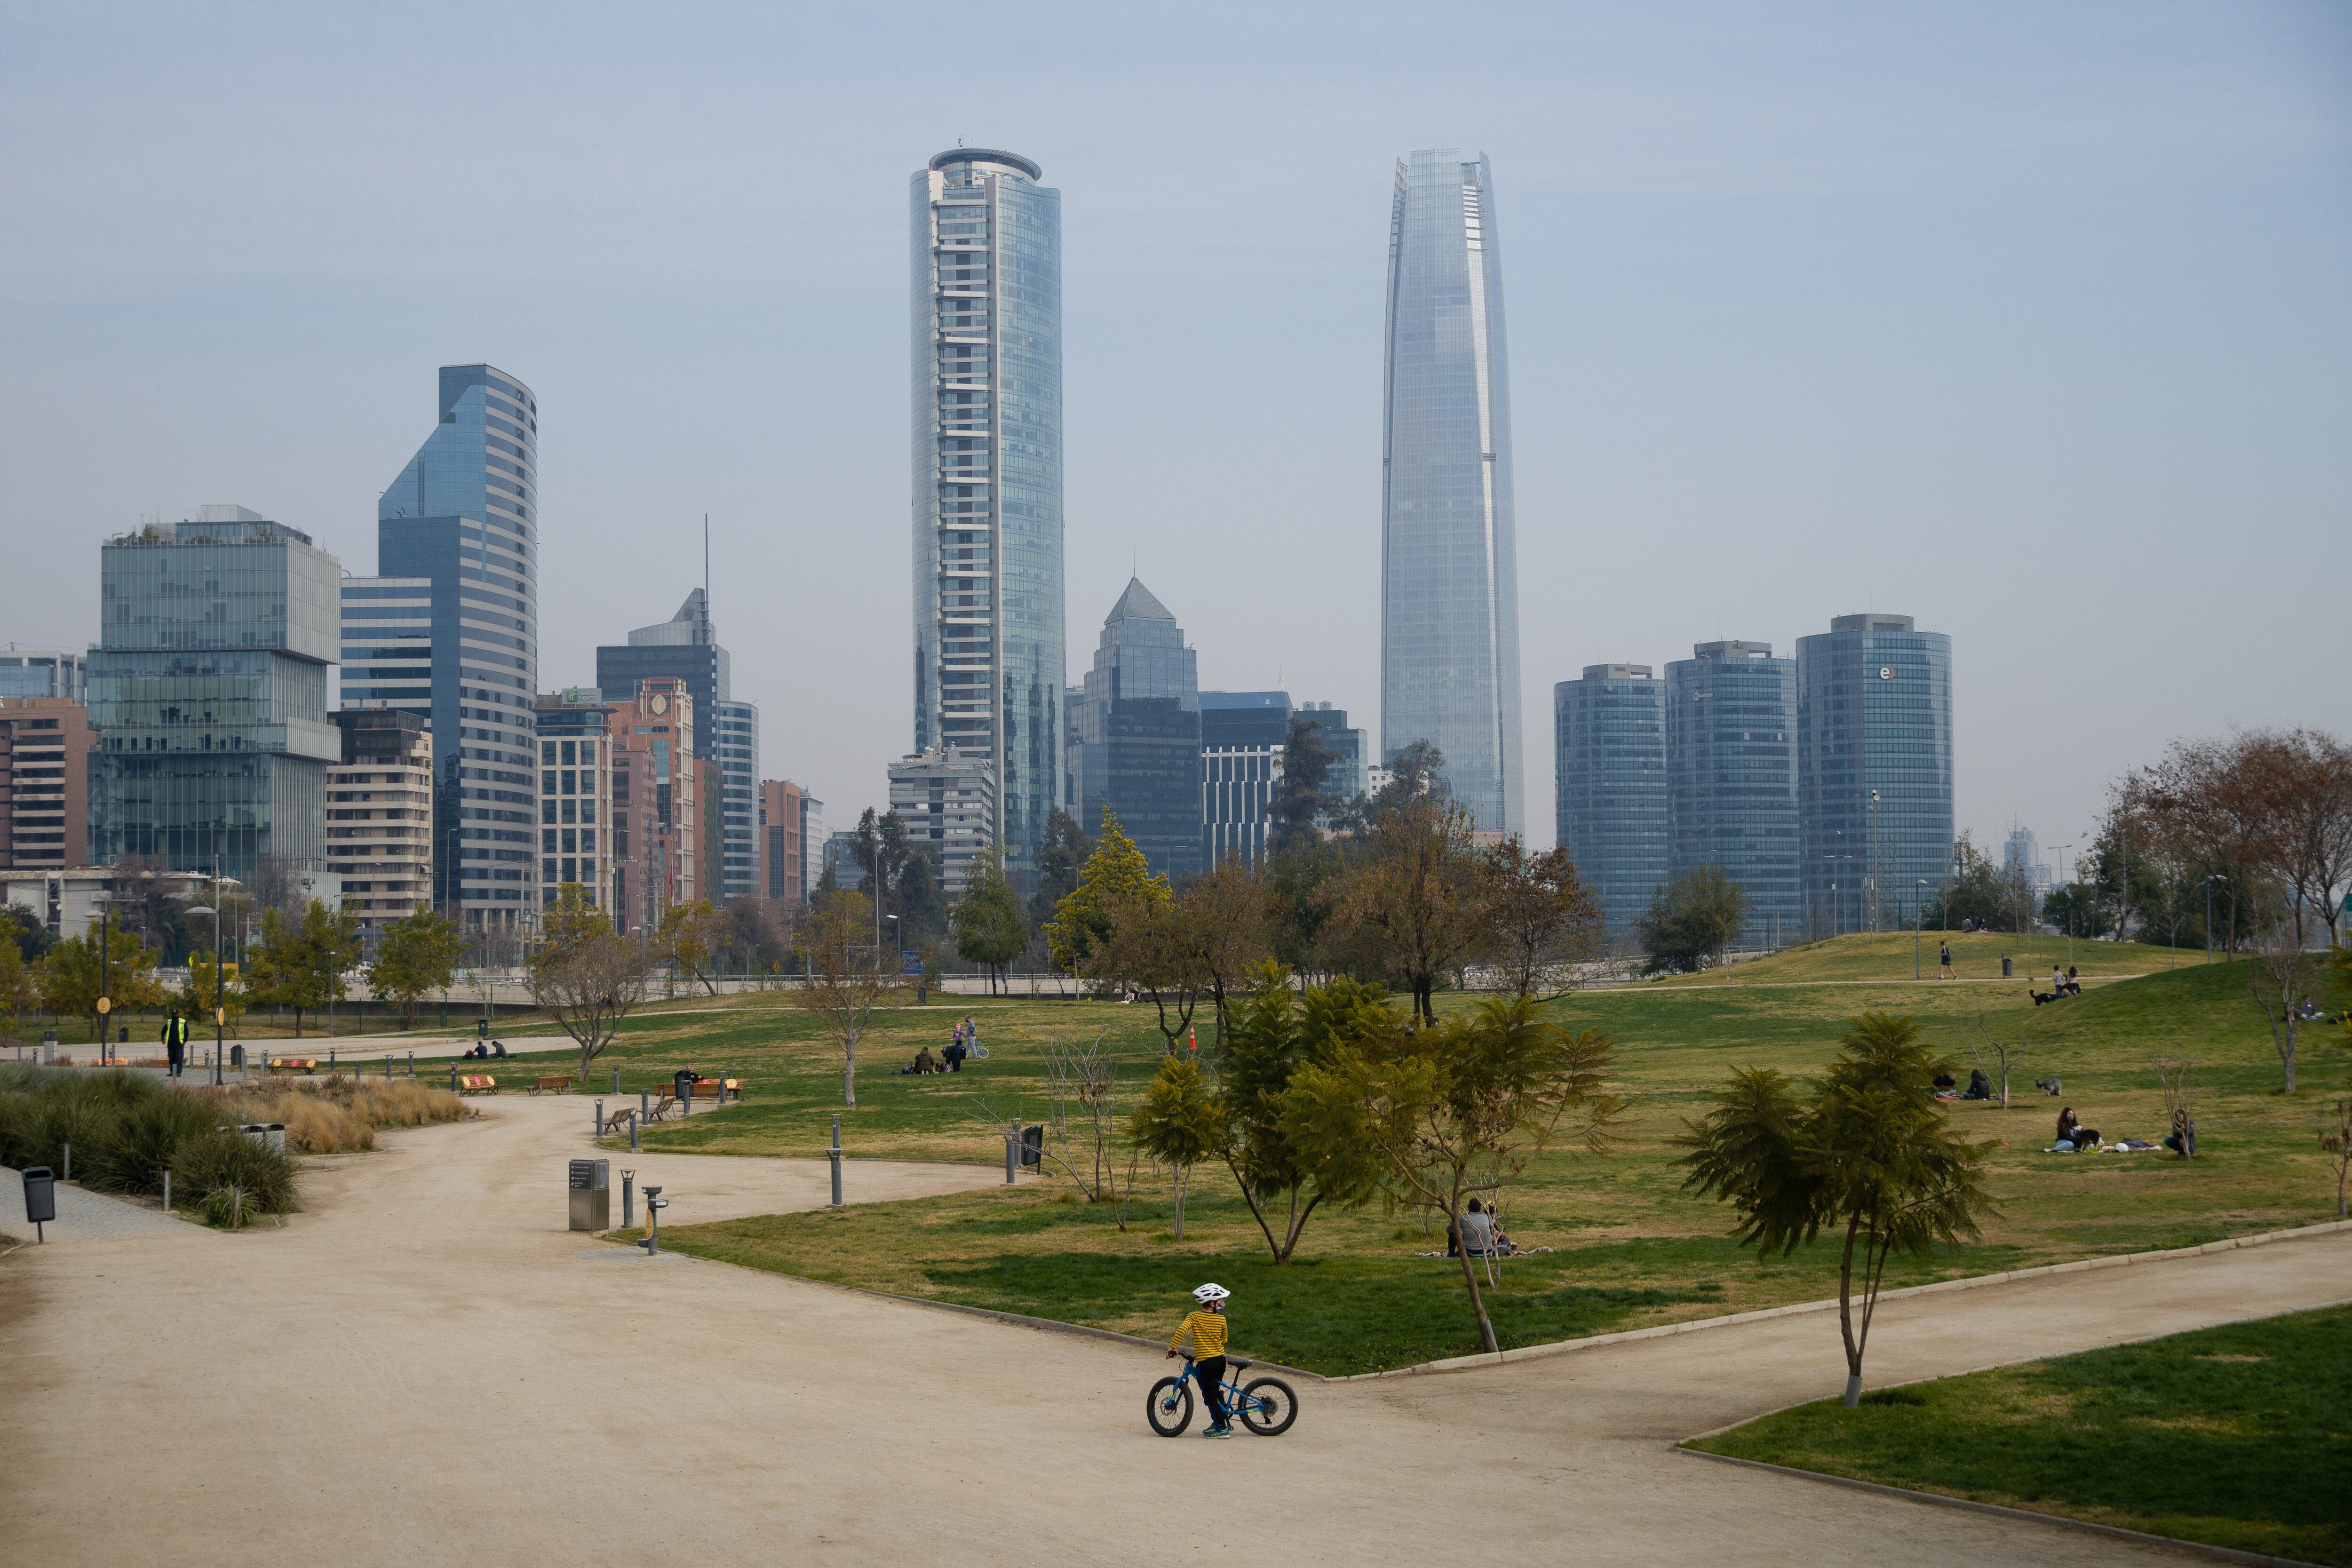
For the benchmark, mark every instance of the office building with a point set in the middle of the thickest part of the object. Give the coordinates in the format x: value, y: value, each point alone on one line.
x: 656, y: 829
x: 1243, y: 737
x: 735, y: 749
x: 1612, y: 813
x: 711, y: 824
x: 685, y: 647
x: 947, y: 801
x: 987, y: 385
x: 784, y: 845
x: 1135, y: 735
x: 2022, y: 852
x: 44, y: 746
x: 208, y: 692
x: 575, y: 796
x: 1731, y: 778
x: 388, y: 644
x: 380, y: 815
x: 1349, y: 776
x: 1875, y: 761
x: 68, y: 904
x: 463, y: 518
x: 45, y: 672
x: 1449, y: 573
x: 841, y: 862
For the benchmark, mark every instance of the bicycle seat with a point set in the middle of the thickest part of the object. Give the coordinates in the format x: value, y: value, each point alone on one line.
x: 1237, y: 1364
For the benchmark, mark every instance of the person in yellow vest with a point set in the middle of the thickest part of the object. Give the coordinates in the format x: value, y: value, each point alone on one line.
x: 175, y: 1041
x: 1203, y: 1334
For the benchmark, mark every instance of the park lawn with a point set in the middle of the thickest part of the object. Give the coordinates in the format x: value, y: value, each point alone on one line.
x: 1619, y: 1222
x: 2237, y: 1437
x: 1975, y: 957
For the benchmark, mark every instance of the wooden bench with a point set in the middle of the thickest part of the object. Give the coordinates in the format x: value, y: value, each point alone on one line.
x: 719, y: 1090
x: 560, y: 1082
x: 662, y: 1107
x: 294, y: 1064
x: 473, y: 1083
x: 617, y: 1120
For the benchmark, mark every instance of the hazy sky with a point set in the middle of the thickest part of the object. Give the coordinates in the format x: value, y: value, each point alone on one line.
x: 2032, y: 321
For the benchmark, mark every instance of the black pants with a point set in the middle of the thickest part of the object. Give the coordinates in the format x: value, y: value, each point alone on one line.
x: 179, y: 1054
x: 1212, y: 1374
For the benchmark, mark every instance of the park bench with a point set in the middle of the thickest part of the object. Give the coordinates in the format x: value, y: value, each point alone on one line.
x: 476, y: 1083
x: 617, y: 1120
x: 294, y: 1064
x: 662, y: 1107
x: 561, y: 1082
x: 719, y: 1090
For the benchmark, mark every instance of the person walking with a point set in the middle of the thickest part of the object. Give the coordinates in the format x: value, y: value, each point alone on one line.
x: 1943, y: 960
x: 175, y: 1042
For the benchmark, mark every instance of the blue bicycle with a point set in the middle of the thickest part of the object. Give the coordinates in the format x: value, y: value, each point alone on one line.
x: 1266, y: 1405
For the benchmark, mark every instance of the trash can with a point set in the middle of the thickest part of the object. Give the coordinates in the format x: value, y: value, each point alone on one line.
x: 40, y: 1195
x: 1033, y: 1146
x: 268, y: 1134
x: 592, y: 1194
x: 681, y: 1083
x: 2006, y: 973
x: 482, y: 1029
x: 236, y: 1055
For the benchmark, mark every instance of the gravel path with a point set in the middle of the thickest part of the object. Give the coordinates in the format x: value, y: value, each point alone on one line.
x: 82, y: 1217
x: 428, y: 1367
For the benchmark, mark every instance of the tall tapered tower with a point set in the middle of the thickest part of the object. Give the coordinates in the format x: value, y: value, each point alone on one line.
x: 1449, y: 564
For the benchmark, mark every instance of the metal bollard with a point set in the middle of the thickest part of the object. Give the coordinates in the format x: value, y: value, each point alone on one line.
x: 453, y: 1077
x: 633, y: 1130
x: 599, y: 1131
x: 837, y: 1158
x: 628, y: 1199
x: 167, y: 1192
x: 412, y: 1063
x: 1011, y: 1155
x: 644, y: 1105
x: 387, y: 1067
x: 617, y: 1083
x: 836, y: 1181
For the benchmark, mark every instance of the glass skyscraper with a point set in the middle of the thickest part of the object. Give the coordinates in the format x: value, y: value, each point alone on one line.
x: 1244, y: 735
x: 209, y: 692
x: 1134, y: 734
x: 989, y: 661
x: 1613, y: 814
x: 1731, y: 774
x: 685, y: 647
x: 463, y: 518
x: 1449, y: 561
x: 1875, y: 755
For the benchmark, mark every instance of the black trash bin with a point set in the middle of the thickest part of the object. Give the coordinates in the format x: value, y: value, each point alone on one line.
x: 2006, y: 974
x: 236, y: 1055
x: 40, y: 1195
x: 1033, y: 1146
x: 681, y: 1084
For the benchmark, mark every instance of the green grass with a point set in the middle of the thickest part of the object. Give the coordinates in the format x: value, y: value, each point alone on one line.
x: 2237, y: 1437
x: 1620, y: 1222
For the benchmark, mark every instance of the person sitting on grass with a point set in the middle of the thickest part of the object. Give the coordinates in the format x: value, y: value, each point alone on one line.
x: 2183, y: 1138
x: 497, y: 1048
x: 925, y: 1061
x: 1477, y: 1230
x: 2072, y: 1134
x: 1202, y: 1335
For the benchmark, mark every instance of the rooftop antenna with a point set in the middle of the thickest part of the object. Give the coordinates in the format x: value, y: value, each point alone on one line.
x: 706, y: 573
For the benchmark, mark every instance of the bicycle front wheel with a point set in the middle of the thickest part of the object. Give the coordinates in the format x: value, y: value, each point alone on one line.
x: 1268, y: 1407
x: 1170, y: 1408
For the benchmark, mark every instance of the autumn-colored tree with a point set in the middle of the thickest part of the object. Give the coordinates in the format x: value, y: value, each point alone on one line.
x: 1542, y: 923
x: 1115, y: 876
x: 1412, y: 908
x: 585, y: 975
x: 73, y: 978
x: 687, y: 936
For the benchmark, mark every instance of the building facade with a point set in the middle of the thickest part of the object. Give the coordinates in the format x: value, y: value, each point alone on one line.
x: 463, y: 518
x: 1244, y: 735
x: 1874, y: 761
x: 683, y: 648
x: 575, y: 796
x: 1612, y: 812
x: 657, y: 830
x: 388, y: 644
x: 380, y: 815
x: 1350, y: 755
x: 1135, y: 735
x: 1731, y: 776
x: 208, y: 692
x: 947, y: 801
x: 736, y: 749
x: 784, y: 845
x: 44, y: 747
x: 45, y: 672
x: 987, y: 392
x: 2022, y: 852
x: 1449, y: 557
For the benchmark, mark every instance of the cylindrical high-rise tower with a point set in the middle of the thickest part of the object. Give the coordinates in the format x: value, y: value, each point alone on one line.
x: 989, y: 664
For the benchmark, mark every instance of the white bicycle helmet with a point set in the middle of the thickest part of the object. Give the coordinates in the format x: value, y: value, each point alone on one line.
x: 1207, y: 1293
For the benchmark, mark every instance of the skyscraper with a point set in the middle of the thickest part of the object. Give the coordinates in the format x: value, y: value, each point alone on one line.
x: 1449, y: 562
x: 1732, y: 772
x: 1874, y: 756
x: 685, y: 647
x: 987, y: 385
x: 1135, y: 729
x: 1243, y: 736
x: 463, y: 518
x: 1612, y: 812
x: 209, y: 690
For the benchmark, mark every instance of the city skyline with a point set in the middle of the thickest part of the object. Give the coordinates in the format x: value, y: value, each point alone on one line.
x: 1808, y: 317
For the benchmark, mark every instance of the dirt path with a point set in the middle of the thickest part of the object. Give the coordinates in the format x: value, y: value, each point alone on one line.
x: 428, y: 1368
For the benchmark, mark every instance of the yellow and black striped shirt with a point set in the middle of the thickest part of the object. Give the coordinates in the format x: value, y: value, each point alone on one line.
x: 1203, y: 1332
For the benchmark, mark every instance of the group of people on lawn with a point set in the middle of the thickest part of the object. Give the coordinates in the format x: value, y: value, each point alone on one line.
x: 962, y: 1046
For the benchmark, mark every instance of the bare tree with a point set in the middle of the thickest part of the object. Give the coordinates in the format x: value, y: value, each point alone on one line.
x: 1229, y: 921
x: 2279, y: 801
x: 2336, y: 1138
x: 1543, y: 925
x: 846, y: 974
x: 2177, y: 1075
x: 1412, y: 908
x: 584, y: 976
x: 1152, y: 947
x: 2004, y: 1053
x: 2281, y: 975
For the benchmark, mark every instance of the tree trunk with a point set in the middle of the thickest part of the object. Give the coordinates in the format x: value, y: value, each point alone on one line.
x: 1180, y: 1203
x: 849, y: 1069
x: 1470, y: 1276
x: 2286, y: 1051
x: 1845, y: 1315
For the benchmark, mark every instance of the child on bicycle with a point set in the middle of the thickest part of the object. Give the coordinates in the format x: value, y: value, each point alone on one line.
x: 1203, y: 1333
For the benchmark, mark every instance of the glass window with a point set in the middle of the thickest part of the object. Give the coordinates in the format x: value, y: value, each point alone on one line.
x: 547, y: 811
x: 547, y: 840
x: 547, y: 752
x: 570, y: 781
x: 571, y: 753
x: 588, y: 752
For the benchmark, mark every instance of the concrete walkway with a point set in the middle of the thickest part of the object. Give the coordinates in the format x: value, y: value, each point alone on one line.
x: 427, y: 1367
x: 82, y: 1217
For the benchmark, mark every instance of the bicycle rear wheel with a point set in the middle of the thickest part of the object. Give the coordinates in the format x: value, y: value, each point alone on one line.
x: 1170, y: 1408
x: 1268, y: 1406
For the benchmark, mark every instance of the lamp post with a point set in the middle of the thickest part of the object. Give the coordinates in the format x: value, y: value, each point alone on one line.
x: 220, y: 975
x: 1874, y: 863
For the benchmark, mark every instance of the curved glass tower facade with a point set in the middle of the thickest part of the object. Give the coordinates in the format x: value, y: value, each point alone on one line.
x: 987, y: 385
x: 1612, y: 813
x: 1731, y: 770
x: 1449, y: 563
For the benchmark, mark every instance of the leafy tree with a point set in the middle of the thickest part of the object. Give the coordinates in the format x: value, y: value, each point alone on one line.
x: 987, y: 923
x: 1228, y: 913
x: 1412, y: 910
x: 922, y: 908
x: 20, y: 925
x: 415, y: 956
x: 300, y: 962
x: 1691, y: 921
x: 72, y: 977
x: 685, y: 937
x: 1974, y: 891
x: 847, y: 976
x: 585, y: 974
x: 1153, y: 946
x: 1275, y: 1035
x: 2077, y: 910
x: 1114, y: 874
x: 1303, y: 792
x: 206, y: 989
x: 19, y: 983
x: 1060, y: 859
x: 1865, y: 1147
x: 1541, y: 920
x: 1181, y: 1123
x: 1415, y: 772
x: 1304, y: 885
x: 1459, y: 1109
